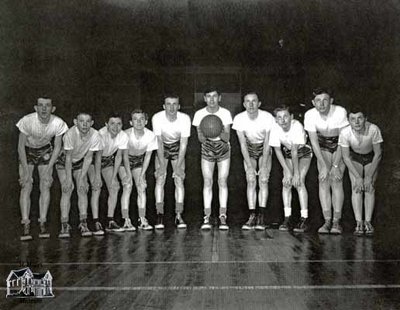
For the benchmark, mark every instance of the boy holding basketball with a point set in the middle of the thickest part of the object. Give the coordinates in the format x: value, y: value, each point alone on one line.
x: 214, y: 151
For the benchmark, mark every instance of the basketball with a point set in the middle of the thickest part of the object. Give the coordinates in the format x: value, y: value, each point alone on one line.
x: 211, y: 126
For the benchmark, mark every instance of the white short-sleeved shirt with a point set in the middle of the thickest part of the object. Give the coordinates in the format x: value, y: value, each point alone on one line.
x: 254, y: 130
x: 81, y: 145
x: 361, y: 144
x: 111, y: 145
x: 171, y: 131
x: 39, y: 134
x: 222, y: 113
x: 295, y: 135
x: 139, y: 146
x: 335, y: 120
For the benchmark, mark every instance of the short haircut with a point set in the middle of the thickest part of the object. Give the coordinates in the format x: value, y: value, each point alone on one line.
x: 140, y: 111
x: 113, y: 115
x: 84, y: 113
x: 356, y: 108
x: 280, y: 108
x: 322, y: 90
x: 170, y: 95
x: 43, y: 98
x: 211, y: 89
x: 250, y: 93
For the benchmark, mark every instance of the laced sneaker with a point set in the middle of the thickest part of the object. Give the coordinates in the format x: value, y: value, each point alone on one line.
x: 369, y: 229
x: 65, y: 231
x: 285, y: 225
x: 222, y: 222
x: 160, y: 221
x: 301, y: 225
x: 206, y: 223
x: 113, y: 226
x: 336, y: 228
x: 85, y: 231
x: 143, y: 224
x: 260, y: 223
x: 128, y: 225
x: 43, y: 233
x: 26, y: 235
x: 98, y: 229
x: 326, y: 228
x: 250, y: 222
x: 179, y: 221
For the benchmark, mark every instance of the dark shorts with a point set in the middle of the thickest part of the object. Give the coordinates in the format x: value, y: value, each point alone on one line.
x: 329, y: 144
x: 255, y: 149
x: 363, y: 159
x: 39, y: 156
x: 108, y: 161
x: 302, y: 152
x: 171, y: 150
x: 215, y: 151
x: 60, y: 164
x: 136, y: 161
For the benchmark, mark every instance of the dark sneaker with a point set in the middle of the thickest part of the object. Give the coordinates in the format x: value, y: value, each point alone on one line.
x: 85, y: 231
x: 128, y: 225
x: 336, y: 228
x: 160, y: 221
x: 26, y: 235
x: 98, y: 229
x: 113, y: 226
x: 179, y: 221
x: 301, y: 225
x: 65, y: 231
x: 143, y: 224
x: 260, y: 223
x: 359, y: 230
x: 43, y: 233
x: 206, y: 223
x: 369, y: 229
x: 222, y: 222
x: 250, y: 222
x: 285, y: 225
x: 326, y: 228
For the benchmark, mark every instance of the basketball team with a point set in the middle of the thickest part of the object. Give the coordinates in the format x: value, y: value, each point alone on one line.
x: 82, y: 155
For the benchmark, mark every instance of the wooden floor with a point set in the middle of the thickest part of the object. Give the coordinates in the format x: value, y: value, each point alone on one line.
x: 211, y: 270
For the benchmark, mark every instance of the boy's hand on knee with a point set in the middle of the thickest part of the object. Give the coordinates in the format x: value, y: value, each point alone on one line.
x: 368, y: 185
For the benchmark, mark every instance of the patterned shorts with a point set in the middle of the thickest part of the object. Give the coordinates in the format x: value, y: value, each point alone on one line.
x: 39, y: 156
x: 171, y: 151
x: 136, y: 161
x: 304, y: 151
x: 215, y: 151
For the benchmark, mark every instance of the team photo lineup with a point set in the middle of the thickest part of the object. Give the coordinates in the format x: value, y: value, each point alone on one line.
x: 116, y: 158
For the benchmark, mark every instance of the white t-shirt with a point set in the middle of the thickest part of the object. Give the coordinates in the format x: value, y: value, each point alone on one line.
x: 39, y: 134
x: 222, y: 113
x: 143, y: 144
x: 295, y: 135
x: 254, y: 130
x: 111, y: 145
x: 361, y: 144
x: 81, y: 145
x: 335, y: 120
x: 171, y: 131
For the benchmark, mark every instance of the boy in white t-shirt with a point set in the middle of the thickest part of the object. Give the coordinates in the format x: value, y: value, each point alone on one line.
x: 35, y: 148
x: 214, y: 151
x: 288, y: 138
x: 253, y: 128
x: 172, y: 129
x: 141, y: 144
x: 361, y: 144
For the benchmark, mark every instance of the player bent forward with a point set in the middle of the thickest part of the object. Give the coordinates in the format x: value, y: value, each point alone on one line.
x: 288, y: 138
x: 35, y: 149
x: 361, y: 144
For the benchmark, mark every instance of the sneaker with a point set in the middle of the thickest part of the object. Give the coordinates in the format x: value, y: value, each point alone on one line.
x: 359, y: 230
x: 44, y: 233
x: 326, y: 228
x: 285, y: 225
x: 206, y: 223
x: 369, y: 229
x: 260, y: 223
x: 222, y: 222
x: 250, y: 222
x: 336, y: 228
x: 160, y: 221
x: 65, y: 231
x: 85, y: 232
x: 143, y: 224
x: 301, y: 225
x: 128, y: 225
x: 26, y: 235
x: 98, y: 229
x: 179, y: 221
x: 113, y: 226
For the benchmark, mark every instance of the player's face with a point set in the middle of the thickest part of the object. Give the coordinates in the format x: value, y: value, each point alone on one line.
x: 322, y: 103
x: 357, y: 121
x: 114, y: 125
x: 44, y: 108
x: 251, y: 103
x: 212, y: 99
x: 83, y: 122
x: 171, y: 105
x: 284, y: 119
x: 138, y: 121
